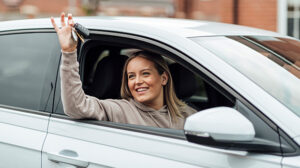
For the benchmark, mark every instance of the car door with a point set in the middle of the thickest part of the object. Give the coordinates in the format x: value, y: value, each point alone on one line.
x: 88, y: 143
x: 27, y: 78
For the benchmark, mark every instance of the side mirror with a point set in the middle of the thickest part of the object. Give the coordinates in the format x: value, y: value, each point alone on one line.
x: 226, y: 128
x: 221, y: 127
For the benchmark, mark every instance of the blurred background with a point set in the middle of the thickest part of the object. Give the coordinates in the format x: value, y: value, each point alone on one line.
x: 276, y: 15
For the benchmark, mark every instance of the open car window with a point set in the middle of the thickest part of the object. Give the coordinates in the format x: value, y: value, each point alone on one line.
x: 101, y: 71
x: 101, y: 65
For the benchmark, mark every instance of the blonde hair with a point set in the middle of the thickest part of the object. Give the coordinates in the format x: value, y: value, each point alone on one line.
x: 173, y: 103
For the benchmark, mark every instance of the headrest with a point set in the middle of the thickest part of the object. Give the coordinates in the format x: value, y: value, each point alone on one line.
x: 184, y: 81
x: 108, y: 77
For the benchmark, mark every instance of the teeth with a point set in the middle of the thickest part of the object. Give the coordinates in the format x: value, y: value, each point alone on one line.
x: 141, y: 89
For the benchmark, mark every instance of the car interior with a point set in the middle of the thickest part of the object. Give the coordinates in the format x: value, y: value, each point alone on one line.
x: 101, y: 73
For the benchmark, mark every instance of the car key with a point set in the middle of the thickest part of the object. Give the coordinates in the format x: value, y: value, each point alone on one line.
x: 79, y: 31
x: 84, y: 32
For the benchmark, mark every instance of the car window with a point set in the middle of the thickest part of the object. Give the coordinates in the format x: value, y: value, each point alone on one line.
x: 262, y: 130
x: 27, y: 69
x: 190, y: 87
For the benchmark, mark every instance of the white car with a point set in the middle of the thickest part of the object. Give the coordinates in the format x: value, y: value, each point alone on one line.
x: 243, y: 81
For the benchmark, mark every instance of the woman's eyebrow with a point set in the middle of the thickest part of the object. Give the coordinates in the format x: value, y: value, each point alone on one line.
x: 149, y: 69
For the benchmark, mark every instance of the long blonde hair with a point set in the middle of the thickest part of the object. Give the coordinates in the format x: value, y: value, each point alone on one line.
x: 170, y: 98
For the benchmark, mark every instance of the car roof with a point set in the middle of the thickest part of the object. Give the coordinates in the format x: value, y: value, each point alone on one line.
x: 181, y: 27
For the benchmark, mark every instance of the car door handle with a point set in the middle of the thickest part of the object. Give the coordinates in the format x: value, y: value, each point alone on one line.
x: 68, y: 157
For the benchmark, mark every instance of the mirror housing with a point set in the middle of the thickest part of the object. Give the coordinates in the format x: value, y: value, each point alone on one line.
x: 226, y: 128
x: 221, y: 127
x: 221, y: 124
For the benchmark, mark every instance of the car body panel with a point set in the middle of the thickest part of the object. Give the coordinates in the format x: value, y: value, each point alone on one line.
x: 98, y: 155
x: 21, y: 138
x: 291, y: 162
x: 297, y: 139
x: 99, y: 142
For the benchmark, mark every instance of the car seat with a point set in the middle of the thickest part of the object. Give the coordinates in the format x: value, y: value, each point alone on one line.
x: 108, y: 77
x: 184, y: 81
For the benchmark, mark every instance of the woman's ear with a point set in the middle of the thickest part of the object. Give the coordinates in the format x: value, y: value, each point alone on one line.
x: 165, y: 78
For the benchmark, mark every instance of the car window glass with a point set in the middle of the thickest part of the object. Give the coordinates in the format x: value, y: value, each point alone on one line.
x: 266, y: 64
x: 262, y: 130
x: 283, y: 51
x: 25, y: 59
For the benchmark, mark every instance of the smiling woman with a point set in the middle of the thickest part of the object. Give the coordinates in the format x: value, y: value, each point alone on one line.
x: 149, y: 81
x: 147, y: 89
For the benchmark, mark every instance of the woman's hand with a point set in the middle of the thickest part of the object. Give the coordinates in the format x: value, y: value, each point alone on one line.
x: 67, y: 43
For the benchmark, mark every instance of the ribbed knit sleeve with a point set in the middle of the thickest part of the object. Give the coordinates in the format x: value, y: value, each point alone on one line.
x: 76, y: 103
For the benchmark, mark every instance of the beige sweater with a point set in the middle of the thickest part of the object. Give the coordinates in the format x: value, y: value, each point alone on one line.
x: 78, y: 105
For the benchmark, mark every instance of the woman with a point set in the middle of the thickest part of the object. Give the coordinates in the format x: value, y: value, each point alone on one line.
x: 147, y: 89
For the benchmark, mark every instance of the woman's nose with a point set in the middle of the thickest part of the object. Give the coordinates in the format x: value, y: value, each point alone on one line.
x: 138, y: 80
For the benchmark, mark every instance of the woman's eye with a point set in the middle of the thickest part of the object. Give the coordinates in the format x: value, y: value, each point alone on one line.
x: 130, y: 76
x: 146, y: 73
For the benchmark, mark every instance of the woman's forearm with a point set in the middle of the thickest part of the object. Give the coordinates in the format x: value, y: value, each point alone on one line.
x: 76, y: 103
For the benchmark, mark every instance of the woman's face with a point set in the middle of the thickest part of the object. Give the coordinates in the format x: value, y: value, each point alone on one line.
x: 145, y: 83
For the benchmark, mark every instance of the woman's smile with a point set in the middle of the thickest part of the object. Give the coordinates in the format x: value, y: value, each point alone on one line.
x: 142, y: 90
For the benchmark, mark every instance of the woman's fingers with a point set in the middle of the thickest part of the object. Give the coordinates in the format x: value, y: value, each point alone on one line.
x: 54, y: 24
x: 62, y: 19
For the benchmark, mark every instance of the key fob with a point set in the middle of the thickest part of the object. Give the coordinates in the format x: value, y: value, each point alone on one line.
x: 81, y: 30
x: 74, y: 36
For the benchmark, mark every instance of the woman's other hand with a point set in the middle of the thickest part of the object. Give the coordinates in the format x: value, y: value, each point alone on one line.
x: 67, y: 43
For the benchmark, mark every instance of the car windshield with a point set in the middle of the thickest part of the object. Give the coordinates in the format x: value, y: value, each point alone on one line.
x: 271, y: 62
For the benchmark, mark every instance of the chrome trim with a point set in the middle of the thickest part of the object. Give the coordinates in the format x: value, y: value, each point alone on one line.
x: 199, y: 134
x: 164, y: 132
x: 27, y: 31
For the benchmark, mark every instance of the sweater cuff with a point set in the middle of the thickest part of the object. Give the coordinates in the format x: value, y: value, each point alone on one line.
x: 69, y: 58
